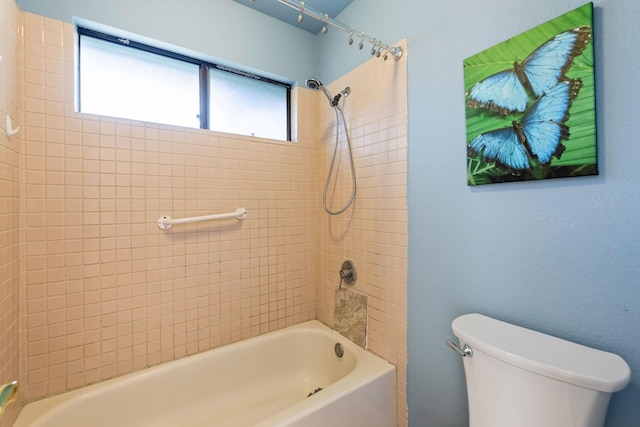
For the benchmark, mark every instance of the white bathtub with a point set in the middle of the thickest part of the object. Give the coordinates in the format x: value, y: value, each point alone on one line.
x: 260, y: 382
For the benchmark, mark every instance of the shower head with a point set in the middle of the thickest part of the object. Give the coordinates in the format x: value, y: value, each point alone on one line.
x: 313, y: 83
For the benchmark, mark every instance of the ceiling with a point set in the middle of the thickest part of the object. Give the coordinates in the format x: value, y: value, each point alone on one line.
x: 289, y: 15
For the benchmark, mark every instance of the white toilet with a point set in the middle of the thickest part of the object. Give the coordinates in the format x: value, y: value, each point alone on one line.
x: 517, y: 377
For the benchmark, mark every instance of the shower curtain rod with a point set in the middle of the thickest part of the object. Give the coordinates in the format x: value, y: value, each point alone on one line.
x: 378, y: 48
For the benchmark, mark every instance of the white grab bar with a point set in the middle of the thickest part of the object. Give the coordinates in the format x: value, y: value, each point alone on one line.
x: 11, y: 131
x: 165, y: 222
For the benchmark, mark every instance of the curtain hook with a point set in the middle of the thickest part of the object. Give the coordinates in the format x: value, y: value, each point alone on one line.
x: 361, y: 45
x: 325, y: 20
x: 350, y: 41
x: 386, y: 53
x: 300, y: 17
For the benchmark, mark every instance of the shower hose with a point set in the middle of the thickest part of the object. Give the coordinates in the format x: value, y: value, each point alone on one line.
x: 339, y: 113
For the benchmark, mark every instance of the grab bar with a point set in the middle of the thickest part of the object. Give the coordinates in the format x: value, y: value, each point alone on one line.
x: 11, y: 131
x: 165, y: 222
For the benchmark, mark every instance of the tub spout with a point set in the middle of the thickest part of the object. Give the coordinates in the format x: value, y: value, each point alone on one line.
x: 8, y: 393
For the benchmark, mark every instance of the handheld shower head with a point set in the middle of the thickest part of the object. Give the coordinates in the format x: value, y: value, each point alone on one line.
x: 315, y: 84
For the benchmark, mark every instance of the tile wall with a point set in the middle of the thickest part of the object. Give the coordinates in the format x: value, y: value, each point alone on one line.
x: 373, y: 232
x: 105, y: 292
x: 10, y: 149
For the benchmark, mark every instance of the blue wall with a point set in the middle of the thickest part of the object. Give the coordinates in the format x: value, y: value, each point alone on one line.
x: 559, y: 256
x: 219, y: 29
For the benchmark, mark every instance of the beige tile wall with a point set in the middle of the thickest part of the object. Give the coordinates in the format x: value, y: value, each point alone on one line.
x: 10, y: 148
x: 105, y: 292
x: 373, y: 232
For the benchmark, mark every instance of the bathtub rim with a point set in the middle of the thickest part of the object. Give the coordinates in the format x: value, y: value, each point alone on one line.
x: 369, y: 367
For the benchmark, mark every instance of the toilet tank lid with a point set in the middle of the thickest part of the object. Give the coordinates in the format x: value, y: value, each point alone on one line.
x: 544, y: 354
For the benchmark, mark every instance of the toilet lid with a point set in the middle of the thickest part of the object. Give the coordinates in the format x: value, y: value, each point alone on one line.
x: 544, y: 354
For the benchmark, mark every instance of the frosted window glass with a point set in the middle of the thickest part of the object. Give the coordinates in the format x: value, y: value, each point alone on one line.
x: 247, y: 106
x: 124, y: 82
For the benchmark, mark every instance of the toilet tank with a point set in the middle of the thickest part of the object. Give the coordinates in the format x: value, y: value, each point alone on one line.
x: 517, y: 377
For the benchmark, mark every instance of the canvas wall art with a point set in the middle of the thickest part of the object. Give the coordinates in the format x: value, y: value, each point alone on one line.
x: 530, y: 104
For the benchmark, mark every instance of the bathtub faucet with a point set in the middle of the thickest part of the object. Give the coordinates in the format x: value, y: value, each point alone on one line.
x: 8, y: 393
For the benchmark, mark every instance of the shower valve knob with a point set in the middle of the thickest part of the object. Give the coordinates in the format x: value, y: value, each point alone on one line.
x: 348, y: 273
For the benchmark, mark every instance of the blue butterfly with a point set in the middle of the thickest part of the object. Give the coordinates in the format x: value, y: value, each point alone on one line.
x: 506, y: 91
x: 538, y: 135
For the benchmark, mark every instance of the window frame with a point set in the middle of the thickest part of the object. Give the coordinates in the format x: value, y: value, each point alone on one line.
x: 204, y: 67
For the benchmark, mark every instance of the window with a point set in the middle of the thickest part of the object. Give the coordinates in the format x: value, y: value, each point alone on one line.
x: 257, y: 103
x: 119, y: 77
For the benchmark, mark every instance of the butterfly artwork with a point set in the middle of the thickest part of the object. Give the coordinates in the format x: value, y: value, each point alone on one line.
x: 506, y: 91
x: 538, y: 135
x: 533, y: 118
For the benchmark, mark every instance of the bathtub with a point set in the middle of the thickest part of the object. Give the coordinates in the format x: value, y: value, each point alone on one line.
x: 290, y: 377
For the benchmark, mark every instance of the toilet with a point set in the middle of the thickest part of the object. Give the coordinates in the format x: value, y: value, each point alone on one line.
x: 517, y: 377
